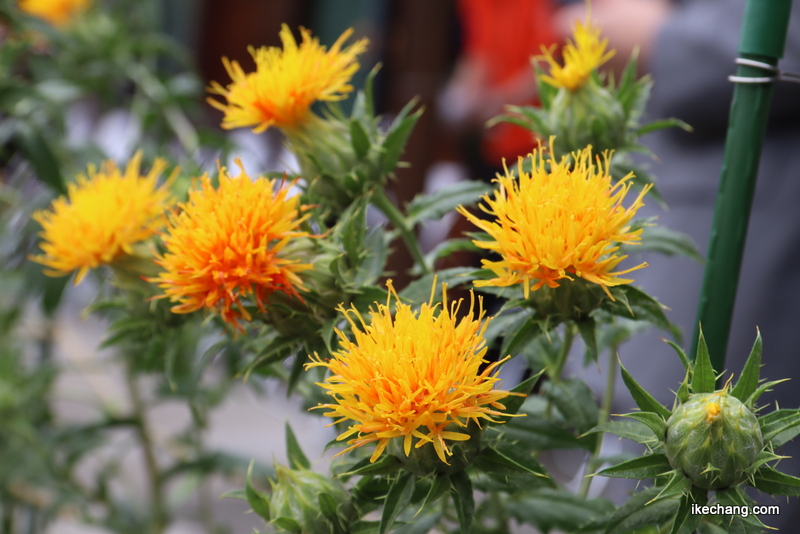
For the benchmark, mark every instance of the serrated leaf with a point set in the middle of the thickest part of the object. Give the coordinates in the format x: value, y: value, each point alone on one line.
x: 655, y: 422
x: 632, y: 430
x: 748, y: 380
x: 588, y: 331
x: 649, y: 466
x: 680, y: 353
x: 770, y: 480
x: 678, y: 484
x: 703, y: 378
x: 359, y: 138
x: 395, y: 142
x: 643, y: 399
x: 734, y: 497
x: 685, y: 521
x: 257, y: 500
x: 491, y: 456
x: 329, y: 509
x: 288, y: 524
x: 464, y: 500
x: 557, y: 511
x: 782, y: 421
x: 575, y: 401
x: 396, y: 500
x: 297, y: 459
x: 763, y: 388
x: 513, y: 403
x: 434, y: 206
x: 641, y: 511
x: 439, y: 488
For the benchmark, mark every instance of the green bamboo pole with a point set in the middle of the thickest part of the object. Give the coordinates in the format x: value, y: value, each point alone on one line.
x: 763, y: 39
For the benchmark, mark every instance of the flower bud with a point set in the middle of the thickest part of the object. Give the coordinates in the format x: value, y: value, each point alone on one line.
x: 714, y: 439
x: 295, y: 495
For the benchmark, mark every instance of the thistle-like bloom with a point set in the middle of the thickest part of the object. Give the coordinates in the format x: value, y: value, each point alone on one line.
x: 56, y: 12
x: 414, y: 375
x: 225, y: 245
x: 103, y: 215
x: 287, y: 82
x: 581, y: 57
x: 562, y: 219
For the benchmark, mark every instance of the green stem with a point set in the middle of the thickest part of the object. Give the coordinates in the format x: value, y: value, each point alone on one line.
x: 605, y: 411
x: 394, y: 215
x: 157, y: 501
x: 8, y: 517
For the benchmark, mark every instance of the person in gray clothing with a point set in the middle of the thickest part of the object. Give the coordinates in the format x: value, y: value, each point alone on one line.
x: 689, y: 48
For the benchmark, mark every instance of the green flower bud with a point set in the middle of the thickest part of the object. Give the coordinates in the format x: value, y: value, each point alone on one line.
x: 714, y: 439
x: 590, y: 115
x: 295, y: 495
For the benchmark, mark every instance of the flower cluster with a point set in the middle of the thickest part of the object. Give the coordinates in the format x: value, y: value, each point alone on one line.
x: 581, y: 58
x: 104, y: 214
x: 287, y: 81
x: 224, y: 245
x: 563, y: 219
x: 414, y: 375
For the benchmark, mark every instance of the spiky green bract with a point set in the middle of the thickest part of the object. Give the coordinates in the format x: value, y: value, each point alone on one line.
x: 713, y: 442
x: 714, y: 439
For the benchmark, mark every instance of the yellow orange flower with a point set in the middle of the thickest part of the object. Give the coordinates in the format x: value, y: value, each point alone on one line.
x: 581, y: 56
x: 414, y: 375
x: 287, y: 82
x: 103, y: 215
x: 225, y: 244
x: 56, y: 12
x: 562, y: 219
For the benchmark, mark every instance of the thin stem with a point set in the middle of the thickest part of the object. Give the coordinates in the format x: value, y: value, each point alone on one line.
x: 394, y: 215
x: 561, y: 360
x: 146, y: 441
x: 605, y: 411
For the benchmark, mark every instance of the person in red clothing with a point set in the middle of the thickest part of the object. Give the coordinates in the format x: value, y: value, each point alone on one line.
x: 494, y: 69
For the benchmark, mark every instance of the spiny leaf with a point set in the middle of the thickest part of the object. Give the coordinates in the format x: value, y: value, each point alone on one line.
x: 769, y: 480
x: 649, y: 466
x: 396, y: 500
x: 461, y: 488
x: 681, y: 354
x: 632, y: 430
x: 655, y: 422
x: 703, y: 378
x: 359, y: 138
x: 748, y: 381
x: 257, y: 500
x: 643, y: 399
x: 297, y: 459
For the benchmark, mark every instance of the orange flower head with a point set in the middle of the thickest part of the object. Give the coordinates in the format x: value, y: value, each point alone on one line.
x: 102, y: 216
x: 582, y: 56
x: 411, y: 375
x: 225, y: 243
x: 57, y: 12
x: 287, y: 81
x: 560, y: 220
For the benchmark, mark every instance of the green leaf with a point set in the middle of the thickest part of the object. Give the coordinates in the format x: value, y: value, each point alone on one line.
x: 632, y: 430
x: 461, y: 487
x: 551, y: 510
x: 643, y: 399
x: 385, y: 464
x: 513, y: 403
x: 685, y: 521
x: 434, y: 206
x: 520, y: 335
x: 439, y: 488
x: 297, y: 460
x: 575, y: 401
x: 669, y: 242
x: 748, y: 381
x: 678, y: 484
x: 395, y: 141
x: 649, y: 466
x: 365, y: 527
x: 763, y: 388
x: 359, y: 138
x: 681, y: 354
x: 42, y: 158
x: 641, y: 511
x: 257, y: 500
x: 661, y: 124
x: 780, y: 423
x: 288, y: 524
x: 632, y: 302
x: 490, y: 457
x: 770, y: 480
x: 419, y: 290
x: 329, y: 509
x: 234, y: 494
x: 703, y: 378
x: 588, y: 330
x: 655, y: 422
x: 740, y: 524
x: 397, y: 499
